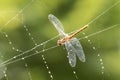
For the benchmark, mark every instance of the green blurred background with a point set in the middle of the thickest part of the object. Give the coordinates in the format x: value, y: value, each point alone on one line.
x: 15, y: 14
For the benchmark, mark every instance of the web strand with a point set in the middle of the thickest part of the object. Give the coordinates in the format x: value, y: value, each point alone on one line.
x: 5, y: 73
x: 104, y: 12
x: 55, y: 36
x: 28, y: 72
x: 10, y: 43
x: 43, y: 58
x: 95, y: 49
x: 22, y: 57
x: 93, y: 34
x: 14, y: 17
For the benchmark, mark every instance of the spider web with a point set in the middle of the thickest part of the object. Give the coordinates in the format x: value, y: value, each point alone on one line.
x: 22, y: 58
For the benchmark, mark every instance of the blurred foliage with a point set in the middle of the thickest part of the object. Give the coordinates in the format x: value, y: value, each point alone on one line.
x: 15, y: 14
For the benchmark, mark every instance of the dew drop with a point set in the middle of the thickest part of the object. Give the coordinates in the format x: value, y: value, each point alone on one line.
x: 43, y: 57
x: 4, y: 72
x: 43, y: 50
x: 98, y: 54
x: 2, y: 56
x: 14, y: 57
x: 26, y: 65
x: 83, y: 33
x: 49, y: 72
x: 74, y: 72
x: 5, y: 75
x: 13, y: 48
x: 35, y: 44
x: 100, y: 60
x: 101, y: 63
x: 51, y: 76
x: 24, y: 26
x: 86, y: 36
x: 45, y: 62
x: 103, y: 67
x: 94, y: 48
x: 23, y: 58
x: 17, y: 50
x: 10, y: 42
x: 6, y: 35
x: 88, y: 40
x: 29, y: 34
x: 47, y: 67
x: 102, y: 72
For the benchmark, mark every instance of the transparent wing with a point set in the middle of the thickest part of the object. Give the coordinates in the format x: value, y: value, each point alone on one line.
x: 78, y: 48
x: 71, y: 53
x: 58, y: 25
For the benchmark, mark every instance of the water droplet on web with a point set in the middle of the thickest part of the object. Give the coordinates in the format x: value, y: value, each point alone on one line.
x: 47, y: 67
x: 23, y: 58
x: 74, y: 72
x: 43, y: 58
x: 103, y: 67
x: 5, y: 75
x: 32, y: 38
x: 100, y: 60
x: 88, y: 40
x: 94, y: 48
x: 6, y: 35
x: 4, y: 72
x: 45, y: 62
x: 41, y: 44
x: 102, y: 72
x: 2, y: 56
x: 83, y: 33
x: 101, y: 63
x: 49, y: 72
x: 86, y: 37
x: 43, y: 50
x: 98, y: 55
x: 29, y: 34
x: 35, y: 44
x: 24, y: 26
x: 51, y: 76
x: 36, y: 51
x: 13, y: 48
x: 26, y: 65
x: 14, y: 57
x: 17, y: 50
x: 10, y: 42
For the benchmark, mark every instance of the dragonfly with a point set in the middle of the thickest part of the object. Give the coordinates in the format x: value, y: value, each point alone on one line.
x: 72, y: 44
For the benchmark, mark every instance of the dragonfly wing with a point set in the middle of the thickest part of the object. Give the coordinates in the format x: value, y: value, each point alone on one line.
x: 71, y: 53
x: 79, y: 50
x: 58, y: 25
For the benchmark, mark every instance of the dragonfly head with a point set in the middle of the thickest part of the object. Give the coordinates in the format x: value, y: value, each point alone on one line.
x: 59, y: 42
x: 62, y: 41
